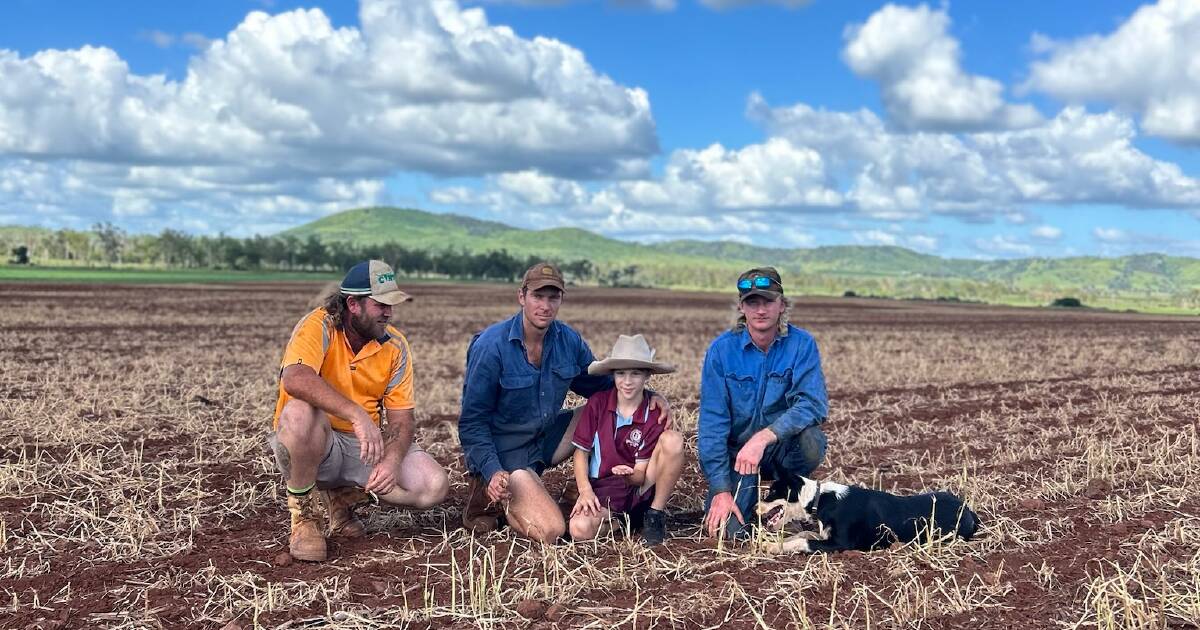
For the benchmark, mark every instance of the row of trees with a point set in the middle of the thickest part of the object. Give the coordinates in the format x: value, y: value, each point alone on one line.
x: 107, y: 244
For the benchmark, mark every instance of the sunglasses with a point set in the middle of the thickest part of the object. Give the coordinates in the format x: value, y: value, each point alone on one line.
x: 758, y: 282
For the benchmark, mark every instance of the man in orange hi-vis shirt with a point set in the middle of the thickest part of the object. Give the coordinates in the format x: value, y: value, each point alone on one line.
x: 344, y: 420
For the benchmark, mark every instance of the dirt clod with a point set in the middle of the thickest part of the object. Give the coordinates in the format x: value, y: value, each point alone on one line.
x: 531, y: 609
x: 283, y: 559
x: 1032, y: 504
x: 555, y: 612
x: 1097, y: 489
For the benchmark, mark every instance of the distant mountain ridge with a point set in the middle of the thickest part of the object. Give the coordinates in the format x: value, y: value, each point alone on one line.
x: 1143, y: 281
x: 876, y: 268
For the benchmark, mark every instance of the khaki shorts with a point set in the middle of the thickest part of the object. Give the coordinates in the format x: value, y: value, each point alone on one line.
x: 340, y: 467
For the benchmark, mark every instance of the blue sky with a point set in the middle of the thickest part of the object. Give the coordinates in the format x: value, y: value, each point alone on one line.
x: 987, y: 130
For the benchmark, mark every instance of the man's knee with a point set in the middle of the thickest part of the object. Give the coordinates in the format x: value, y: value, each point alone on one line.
x: 437, y: 486
x: 808, y: 452
x: 537, y: 516
x: 301, y: 422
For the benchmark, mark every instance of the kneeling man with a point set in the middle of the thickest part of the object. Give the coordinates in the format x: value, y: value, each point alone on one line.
x: 344, y: 365
x: 762, y: 397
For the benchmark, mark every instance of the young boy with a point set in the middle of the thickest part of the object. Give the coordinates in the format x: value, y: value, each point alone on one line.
x: 625, y: 461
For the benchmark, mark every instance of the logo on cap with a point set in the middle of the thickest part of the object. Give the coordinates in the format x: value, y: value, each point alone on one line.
x: 385, y: 277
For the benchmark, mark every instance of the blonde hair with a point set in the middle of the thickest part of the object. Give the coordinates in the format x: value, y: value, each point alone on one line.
x: 739, y: 320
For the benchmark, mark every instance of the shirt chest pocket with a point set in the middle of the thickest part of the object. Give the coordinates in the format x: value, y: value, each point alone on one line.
x: 518, y: 396
x: 564, y: 374
x: 743, y: 395
x: 775, y: 396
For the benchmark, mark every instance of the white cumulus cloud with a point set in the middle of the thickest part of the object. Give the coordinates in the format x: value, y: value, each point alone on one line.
x: 287, y: 100
x: 1047, y: 232
x: 1149, y: 65
x: 909, y: 51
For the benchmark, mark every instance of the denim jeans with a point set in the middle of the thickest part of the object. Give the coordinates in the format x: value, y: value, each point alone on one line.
x: 782, y: 463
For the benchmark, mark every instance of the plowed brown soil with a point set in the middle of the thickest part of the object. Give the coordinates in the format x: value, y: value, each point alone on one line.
x: 136, y: 491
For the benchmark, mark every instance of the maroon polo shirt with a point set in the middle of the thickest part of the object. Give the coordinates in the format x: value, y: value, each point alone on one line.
x: 611, y: 441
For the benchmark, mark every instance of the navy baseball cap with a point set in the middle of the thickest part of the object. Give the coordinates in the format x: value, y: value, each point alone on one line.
x: 375, y: 279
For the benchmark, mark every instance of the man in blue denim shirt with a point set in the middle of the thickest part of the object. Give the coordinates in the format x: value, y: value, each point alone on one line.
x: 512, y: 425
x: 762, y: 397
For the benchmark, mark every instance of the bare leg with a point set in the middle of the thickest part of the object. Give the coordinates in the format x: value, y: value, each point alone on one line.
x: 666, y: 464
x: 421, y: 481
x: 531, y: 512
x: 586, y: 527
x: 303, y: 437
x: 565, y: 448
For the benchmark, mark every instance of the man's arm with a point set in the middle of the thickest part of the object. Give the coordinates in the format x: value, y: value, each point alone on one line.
x: 481, y: 388
x: 585, y: 384
x: 714, y: 423
x: 302, y: 383
x: 811, y: 404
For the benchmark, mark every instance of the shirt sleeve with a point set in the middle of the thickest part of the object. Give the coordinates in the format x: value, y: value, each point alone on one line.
x: 714, y: 423
x: 399, y: 391
x: 309, y: 342
x: 481, y: 385
x: 585, y: 431
x: 585, y: 384
x: 810, y: 403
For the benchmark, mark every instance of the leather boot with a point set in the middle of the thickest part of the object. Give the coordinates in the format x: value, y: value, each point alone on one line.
x: 480, y: 515
x: 339, y: 505
x: 306, y: 541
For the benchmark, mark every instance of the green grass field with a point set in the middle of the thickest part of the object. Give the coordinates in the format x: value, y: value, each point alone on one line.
x: 90, y: 275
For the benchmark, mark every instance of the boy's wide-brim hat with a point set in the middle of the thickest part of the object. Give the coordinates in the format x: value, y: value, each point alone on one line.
x: 630, y: 353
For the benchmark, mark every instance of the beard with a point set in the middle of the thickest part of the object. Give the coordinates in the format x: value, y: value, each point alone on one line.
x: 366, y: 327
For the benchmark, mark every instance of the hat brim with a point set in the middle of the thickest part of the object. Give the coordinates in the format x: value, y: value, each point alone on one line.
x: 610, y: 365
x: 770, y: 295
x: 391, y: 298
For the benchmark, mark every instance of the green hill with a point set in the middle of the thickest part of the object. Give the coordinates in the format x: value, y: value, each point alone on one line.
x: 1145, y: 280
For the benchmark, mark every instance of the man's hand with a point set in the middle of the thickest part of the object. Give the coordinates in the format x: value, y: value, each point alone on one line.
x: 497, y: 489
x: 370, y: 439
x: 383, y: 477
x: 586, y: 505
x: 750, y: 455
x: 721, y: 507
x: 658, y: 402
x: 622, y: 470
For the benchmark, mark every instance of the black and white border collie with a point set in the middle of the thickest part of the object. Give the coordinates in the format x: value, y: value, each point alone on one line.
x: 854, y: 518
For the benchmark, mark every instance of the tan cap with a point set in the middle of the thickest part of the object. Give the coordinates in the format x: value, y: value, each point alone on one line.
x: 542, y: 275
x: 376, y: 279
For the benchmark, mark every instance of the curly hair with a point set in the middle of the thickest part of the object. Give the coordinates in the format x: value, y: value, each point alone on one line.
x: 333, y: 301
x: 739, y: 320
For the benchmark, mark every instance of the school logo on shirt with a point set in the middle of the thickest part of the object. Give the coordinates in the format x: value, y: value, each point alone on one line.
x: 635, y: 438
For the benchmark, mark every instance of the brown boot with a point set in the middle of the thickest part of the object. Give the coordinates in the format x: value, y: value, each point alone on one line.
x: 306, y: 542
x: 339, y: 505
x: 480, y: 515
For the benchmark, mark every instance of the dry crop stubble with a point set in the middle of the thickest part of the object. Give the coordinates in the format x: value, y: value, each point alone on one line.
x: 135, y: 489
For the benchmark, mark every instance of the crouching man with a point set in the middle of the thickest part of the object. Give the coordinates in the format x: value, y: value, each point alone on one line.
x: 762, y: 397
x: 344, y: 365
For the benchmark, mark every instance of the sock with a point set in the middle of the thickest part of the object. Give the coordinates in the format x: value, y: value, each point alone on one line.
x: 299, y: 492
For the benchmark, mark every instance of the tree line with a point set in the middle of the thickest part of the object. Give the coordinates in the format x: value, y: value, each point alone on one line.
x: 106, y: 244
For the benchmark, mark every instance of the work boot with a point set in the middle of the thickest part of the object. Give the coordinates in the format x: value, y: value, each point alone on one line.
x: 339, y: 505
x: 654, y: 527
x: 480, y: 515
x: 306, y: 541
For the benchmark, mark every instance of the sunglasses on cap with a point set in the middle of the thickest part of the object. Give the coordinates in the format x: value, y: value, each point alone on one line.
x: 758, y: 282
